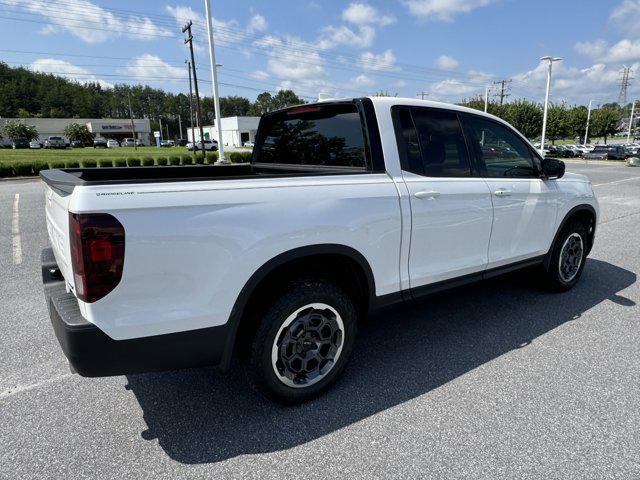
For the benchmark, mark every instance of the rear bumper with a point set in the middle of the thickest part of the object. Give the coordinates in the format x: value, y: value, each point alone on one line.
x: 92, y: 353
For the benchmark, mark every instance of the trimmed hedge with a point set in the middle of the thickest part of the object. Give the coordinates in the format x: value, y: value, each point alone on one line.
x: 187, y: 160
x: 148, y: 162
x: 199, y: 159
x: 89, y: 163
x: 173, y: 160
x: 162, y: 161
x: 56, y: 164
x: 38, y: 167
x: 23, y: 169
x: 6, y: 170
x: 212, y: 157
x: 239, y: 157
x: 69, y: 164
x: 105, y: 163
x: 133, y: 162
x: 119, y: 162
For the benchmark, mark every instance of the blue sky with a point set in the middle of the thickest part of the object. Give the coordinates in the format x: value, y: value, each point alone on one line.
x: 450, y: 49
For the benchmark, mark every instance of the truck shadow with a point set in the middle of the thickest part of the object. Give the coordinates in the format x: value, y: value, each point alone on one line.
x: 201, y: 416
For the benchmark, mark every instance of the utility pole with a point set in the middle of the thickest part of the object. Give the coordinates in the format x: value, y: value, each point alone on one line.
x: 189, y: 40
x: 422, y: 95
x: 503, y: 87
x: 214, y: 78
x: 133, y: 126
x: 586, y: 133
x: 486, y: 99
x: 180, y: 125
x: 546, y: 100
x: 633, y: 109
x: 160, y: 122
x: 167, y: 127
x: 625, y: 80
x: 193, y: 135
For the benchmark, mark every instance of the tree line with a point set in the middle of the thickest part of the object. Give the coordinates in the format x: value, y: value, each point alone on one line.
x: 25, y: 94
x: 563, y: 121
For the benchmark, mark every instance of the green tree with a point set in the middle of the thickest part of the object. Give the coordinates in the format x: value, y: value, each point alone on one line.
x: 18, y: 129
x: 577, y: 120
x: 286, y: 98
x: 234, y: 106
x: 263, y: 104
x: 75, y: 131
x: 558, y: 122
x: 477, y: 103
x: 604, y: 121
x: 525, y: 116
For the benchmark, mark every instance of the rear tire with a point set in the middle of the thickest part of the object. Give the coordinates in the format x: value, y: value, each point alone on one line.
x: 303, y: 342
x: 568, y: 257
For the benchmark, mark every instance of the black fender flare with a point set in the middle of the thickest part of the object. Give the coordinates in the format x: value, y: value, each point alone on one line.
x: 579, y: 208
x: 260, y: 274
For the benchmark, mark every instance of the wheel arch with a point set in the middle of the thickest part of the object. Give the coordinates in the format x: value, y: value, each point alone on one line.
x: 584, y: 213
x: 314, y: 259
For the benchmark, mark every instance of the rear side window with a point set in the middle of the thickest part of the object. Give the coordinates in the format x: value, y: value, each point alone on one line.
x: 324, y: 135
x: 431, y: 143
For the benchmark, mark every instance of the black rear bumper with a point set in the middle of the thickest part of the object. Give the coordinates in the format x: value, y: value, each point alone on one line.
x: 92, y: 353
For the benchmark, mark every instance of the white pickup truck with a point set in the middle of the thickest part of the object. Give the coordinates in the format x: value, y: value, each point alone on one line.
x: 346, y: 206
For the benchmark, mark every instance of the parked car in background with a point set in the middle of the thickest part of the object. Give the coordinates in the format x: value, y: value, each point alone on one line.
x: 249, y: 144
x: 182, y: 142
x: 111, y: 143
x: 167, y: 143
x: 100, y: 142
x: 211, y: 145
x: 346, y: 207
x: 131, y: 142
x: 76, y: 144
x: 20, y: 142
x: 55, y: 142
x: 34, y: 145
x: 607, y: 152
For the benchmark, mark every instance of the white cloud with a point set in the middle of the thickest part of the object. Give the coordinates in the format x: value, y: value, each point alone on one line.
x: 365, y: 14
x: 362, y: 80
x: 152, y: 67
x: 456, y: 89
x: 333, y: 36
x: 600, y: 51
x: 260, y: 75
x: 444, y: 10
x: 257, y: 23
x: 81, y: 16
x: 627, y: 15
x: 400, y: 84
x: 446, y: 62
x: 381, y: 61
x: 67, y: 70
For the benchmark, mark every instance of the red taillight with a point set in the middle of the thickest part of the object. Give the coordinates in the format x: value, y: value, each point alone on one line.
x: 97, y: 254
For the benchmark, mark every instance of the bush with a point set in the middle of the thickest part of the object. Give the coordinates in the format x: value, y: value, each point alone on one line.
x: 119, y: 162
x: 89, y: 163
x: 148, y: 162
x: 187, y: 160
x: 72, y: 164
x: 199, y: 159
x: 22, y: 169
x: 105, y: 163
x: 56, y: 163
x: 162, y: 161
x: 239, y: 157
x: 133, y: 162
x: 212, y: 157
x: 6, y: 170
x: 38, y: 167
x: 174, y: 160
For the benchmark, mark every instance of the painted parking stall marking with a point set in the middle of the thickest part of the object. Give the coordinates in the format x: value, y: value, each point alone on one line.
x: 15, y: 231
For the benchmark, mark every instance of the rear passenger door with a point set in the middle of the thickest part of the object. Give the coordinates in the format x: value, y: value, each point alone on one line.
x: 524, y: 204
x: 451, y: 211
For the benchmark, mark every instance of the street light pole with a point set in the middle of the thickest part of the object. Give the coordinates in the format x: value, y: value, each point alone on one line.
x: 586, y: 133
x: 633, y: 109
x: 546, y: 100
x: 486, y: 99
x: 214, y: 78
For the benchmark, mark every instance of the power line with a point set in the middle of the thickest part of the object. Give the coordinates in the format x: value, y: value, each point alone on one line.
x: 503, y: 92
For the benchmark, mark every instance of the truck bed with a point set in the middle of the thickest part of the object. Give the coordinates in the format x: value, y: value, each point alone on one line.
x: 66, y: 179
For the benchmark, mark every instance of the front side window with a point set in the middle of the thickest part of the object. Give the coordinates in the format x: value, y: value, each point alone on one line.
x: 499, y: 150
x: 431, y: 143
x: 325, y: 135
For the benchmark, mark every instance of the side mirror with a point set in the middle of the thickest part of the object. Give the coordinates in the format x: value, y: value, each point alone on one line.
x: 552, y: 169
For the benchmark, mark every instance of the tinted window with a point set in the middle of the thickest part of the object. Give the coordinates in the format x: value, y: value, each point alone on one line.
x: 502, y: 153
x: 431, y: 143
x: 329, y: 135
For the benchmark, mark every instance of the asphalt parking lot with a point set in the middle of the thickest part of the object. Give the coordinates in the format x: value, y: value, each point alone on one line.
x: 495, y: 380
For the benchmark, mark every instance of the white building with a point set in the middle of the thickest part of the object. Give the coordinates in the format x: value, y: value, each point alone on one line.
x: 116, y: 128
x: 235, y: 131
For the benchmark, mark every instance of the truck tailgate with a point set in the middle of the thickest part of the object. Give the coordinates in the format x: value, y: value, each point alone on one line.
x: 57, y: 213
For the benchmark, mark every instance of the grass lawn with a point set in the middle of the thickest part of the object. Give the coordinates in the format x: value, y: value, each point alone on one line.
x: 10, y: 155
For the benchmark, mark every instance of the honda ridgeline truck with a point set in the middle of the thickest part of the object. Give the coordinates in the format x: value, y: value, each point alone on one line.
x: 345, y: 207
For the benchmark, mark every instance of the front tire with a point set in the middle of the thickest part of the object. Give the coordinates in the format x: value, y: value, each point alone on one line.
x: 568, y: 257
x: 303, y: 342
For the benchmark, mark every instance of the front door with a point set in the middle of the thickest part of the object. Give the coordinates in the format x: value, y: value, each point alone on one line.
x: 524, y: 204
x: 451, y: 210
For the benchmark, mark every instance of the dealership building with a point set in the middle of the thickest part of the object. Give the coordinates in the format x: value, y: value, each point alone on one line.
x: 116, y: 128
x: 235, y: 131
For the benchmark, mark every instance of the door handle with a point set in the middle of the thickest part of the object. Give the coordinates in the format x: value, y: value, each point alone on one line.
x: 426, y: 194
x: 502, y: 192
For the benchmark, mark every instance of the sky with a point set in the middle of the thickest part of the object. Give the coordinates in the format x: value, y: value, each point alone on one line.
x: 444, y: 50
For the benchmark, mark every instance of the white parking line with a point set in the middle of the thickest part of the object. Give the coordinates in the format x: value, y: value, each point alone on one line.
x: 615, y: 182
x: 15, y: 231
